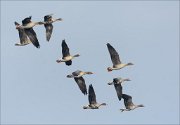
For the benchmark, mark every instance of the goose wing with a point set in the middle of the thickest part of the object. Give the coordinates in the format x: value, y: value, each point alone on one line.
x: 65, y: 49
x: 30, y: 32
x: 92, y: 95
x: 22, y: 35
x: 81, y: 83
x: 114, y: 55
x: 118, y: 89
x: 127, y: 100
x: 48, y: 26
x: 49, y: 29
x: 32, y: 36
x: 26, y: 20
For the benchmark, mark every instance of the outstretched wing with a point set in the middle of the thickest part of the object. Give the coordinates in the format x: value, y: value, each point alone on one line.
x: 81, y: 83
x: 22, y: 35
x: 127, y: 100
x: 30, y: 32
x: 92, y: 95
x: 118, y: 89
x: 114, y: 55
x: 26, y: 21
x: 65, y: 49
x: 32, y: 36
x: 49, y: 29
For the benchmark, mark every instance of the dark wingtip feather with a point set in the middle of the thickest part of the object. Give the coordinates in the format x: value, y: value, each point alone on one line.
x: 16, y: 23
x: 63, y: 40
x: 108, y: 44
x: 38, y: 47
x: 90, y: 85
x: 119, y: 98
x: 48, y: 38
x: 85, y: 92
x: 90, y: 88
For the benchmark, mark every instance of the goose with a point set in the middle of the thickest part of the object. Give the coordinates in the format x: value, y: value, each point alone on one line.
x: 129, y: 104
x: 77, y: 75
x: 92, y: 99
x: 67, y: 58
x: 48, y: 20
x: 118, y: 87
x: 24, y: 40
x: 28, y: 25
x: 115, y: 59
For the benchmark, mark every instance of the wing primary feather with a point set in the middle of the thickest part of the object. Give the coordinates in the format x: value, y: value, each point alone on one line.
x: 91, y: 95
x: 113, y: 54
x: 81, y: 84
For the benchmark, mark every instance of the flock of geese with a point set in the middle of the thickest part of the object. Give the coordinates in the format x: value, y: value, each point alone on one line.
x: 27, y: 36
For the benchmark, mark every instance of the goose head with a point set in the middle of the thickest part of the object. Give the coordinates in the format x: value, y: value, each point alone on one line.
x: 18, y: 27
x: 127, y: 79
x: 136, y: 106
x: 85, y: 107
x: 77, y: 55
x: 129, y: 64
x: 141, y: 105
x: 59, y: 19
x: 103, y: 104
x: 89, y: 73
x: 110, y: 83
x: 58, y: 61
x: 109, y: 69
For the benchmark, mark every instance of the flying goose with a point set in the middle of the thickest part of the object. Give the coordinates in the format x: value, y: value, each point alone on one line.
x: 67, y: 58
x: 92, y: 99
x: 24, y: 40
x: 118, y: 87
x: 129, y: 104
x: 115, y: 59
x: 48, y: 20
x: 28, y: 25
x: 77, y: 75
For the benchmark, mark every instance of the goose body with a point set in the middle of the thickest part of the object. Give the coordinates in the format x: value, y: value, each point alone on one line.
x: 117, y: 64
x: 117, y: 82
x: 67, y: 58
x: 92, y: 99
x: 48, y: 20
x: 129, y: 104
x: 77, y: 75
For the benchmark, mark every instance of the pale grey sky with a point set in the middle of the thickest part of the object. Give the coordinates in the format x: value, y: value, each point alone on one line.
x: 34, y: 88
